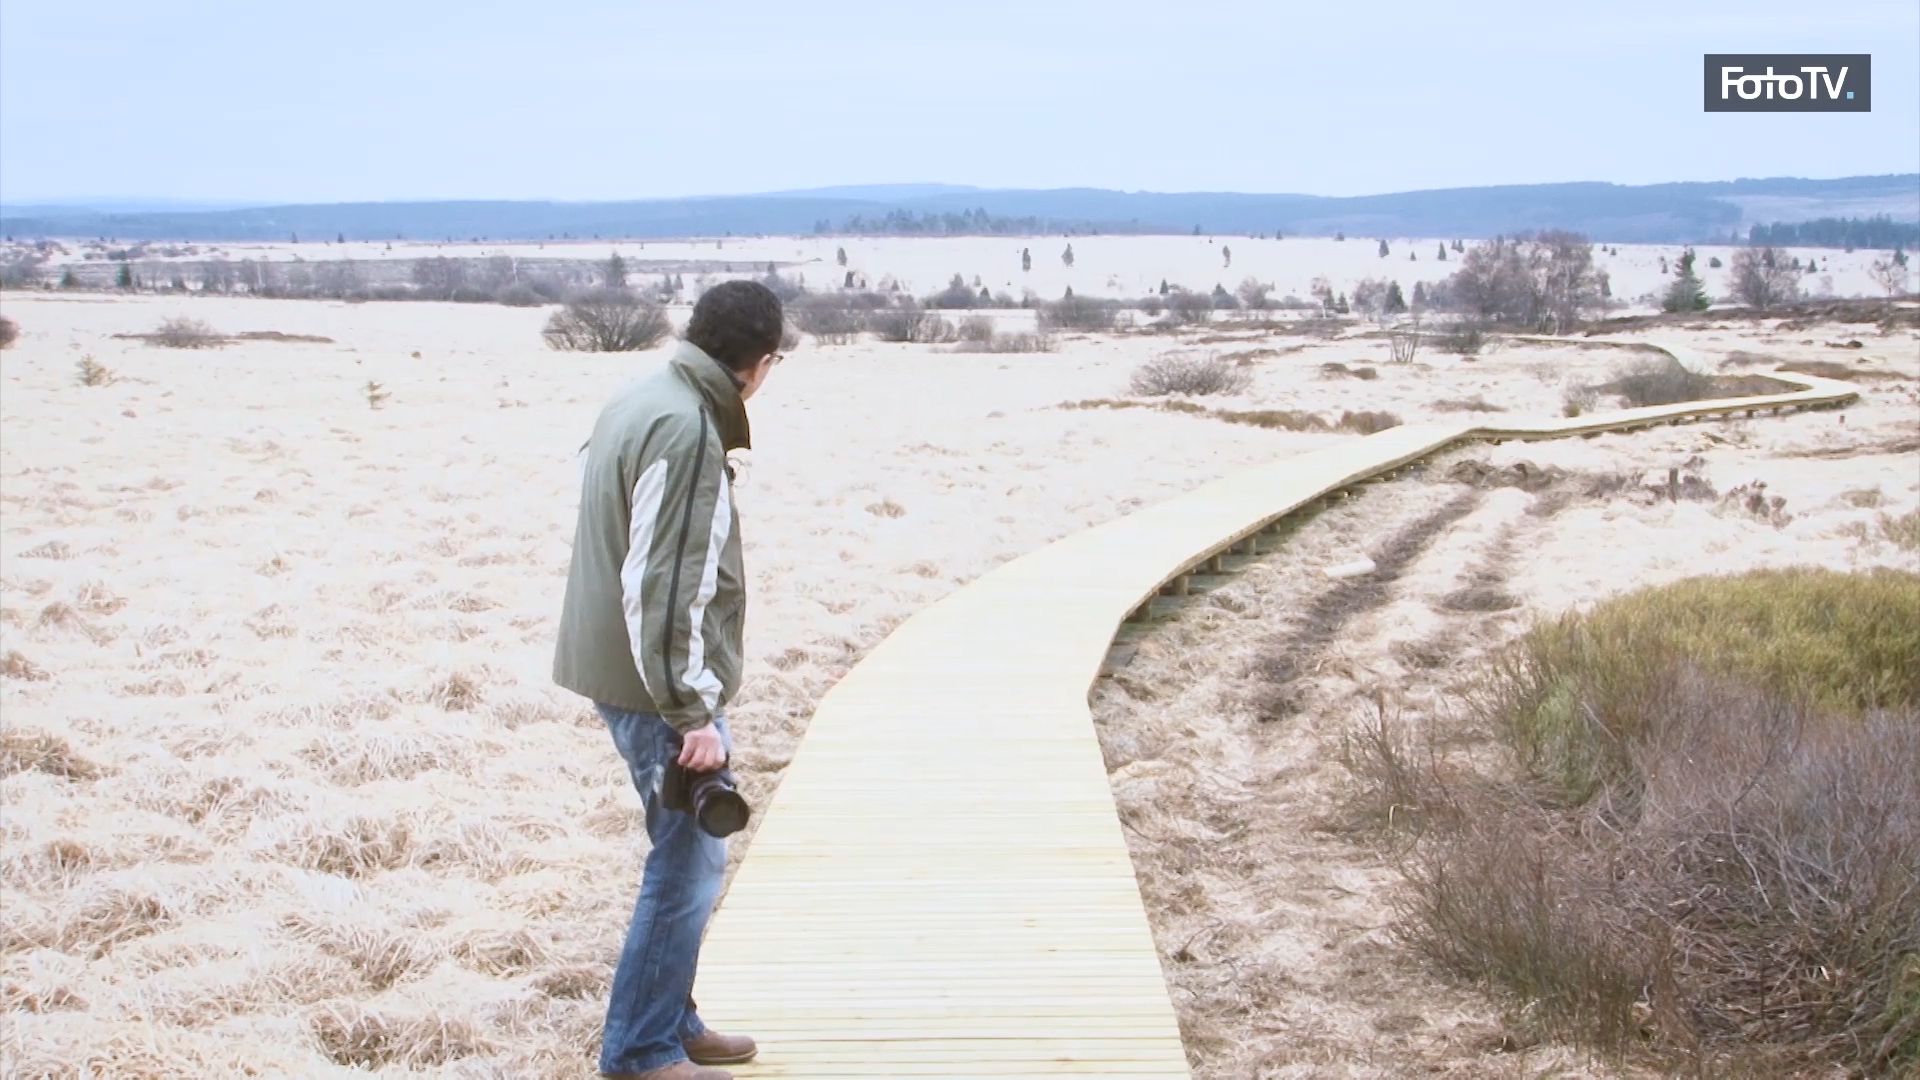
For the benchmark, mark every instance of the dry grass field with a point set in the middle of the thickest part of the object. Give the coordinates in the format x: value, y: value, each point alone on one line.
x: 287, y: 790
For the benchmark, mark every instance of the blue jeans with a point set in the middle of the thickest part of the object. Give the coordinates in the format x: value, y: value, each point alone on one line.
x: 650, y: 1013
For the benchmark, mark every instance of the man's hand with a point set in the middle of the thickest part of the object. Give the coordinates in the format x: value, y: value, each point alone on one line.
x: 703, y: 750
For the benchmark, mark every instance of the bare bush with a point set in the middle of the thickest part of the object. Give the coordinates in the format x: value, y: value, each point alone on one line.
x: 1544, y: 282
x: 1009, y: 343
x: 1078, y: 313
x: 910, y: 325
x: 1891, y: 276
x: 1174, y: 373
x: 9, y: 332
x: 976, y: 329
x: 439, y: 278
x: 828, y: 321
x: 519, y: 294
x: 1402, y: 345
x: 1762, y: 278
x: 1578, y: 401
x: 607, y: 320
x: 186, y: 334
x: 1254, y: 294
x: 1464, y: 337
x: 956, y: 296
x: 1659, y: 381
x: 1189, y: 308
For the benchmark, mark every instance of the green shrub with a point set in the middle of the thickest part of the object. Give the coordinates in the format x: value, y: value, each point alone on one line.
x: 1705, y: 848
x: 1574, y: 696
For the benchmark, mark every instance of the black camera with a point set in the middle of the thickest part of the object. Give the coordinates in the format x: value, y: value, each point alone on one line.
x: 710, y: 797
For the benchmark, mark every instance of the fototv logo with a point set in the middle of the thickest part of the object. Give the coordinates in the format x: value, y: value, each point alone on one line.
x: 1789, y: 82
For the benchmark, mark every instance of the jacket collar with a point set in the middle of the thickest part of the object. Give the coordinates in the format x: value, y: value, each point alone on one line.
x: 716, y: 387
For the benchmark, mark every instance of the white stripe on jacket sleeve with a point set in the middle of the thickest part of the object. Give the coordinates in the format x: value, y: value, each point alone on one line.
x: 704, y: 682
x: 647, y: 493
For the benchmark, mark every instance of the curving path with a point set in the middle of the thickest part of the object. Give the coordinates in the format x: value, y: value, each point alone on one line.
x: 940, y: 886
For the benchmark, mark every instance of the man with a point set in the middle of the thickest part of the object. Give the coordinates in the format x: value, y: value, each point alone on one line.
x: 651, y: 633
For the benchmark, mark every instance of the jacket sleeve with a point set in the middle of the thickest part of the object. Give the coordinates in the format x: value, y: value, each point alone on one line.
x: 681, y: 516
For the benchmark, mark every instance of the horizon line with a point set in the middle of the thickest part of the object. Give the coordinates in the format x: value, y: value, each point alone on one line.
x: 220, y: 205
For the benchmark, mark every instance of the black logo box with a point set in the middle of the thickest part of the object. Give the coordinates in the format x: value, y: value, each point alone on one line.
x: 1740, y: 82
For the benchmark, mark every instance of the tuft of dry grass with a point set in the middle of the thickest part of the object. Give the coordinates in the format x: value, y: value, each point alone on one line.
x: 378, y: 952
x: 108, y: 910
x: 352, y: 758
x: 507, y: 952
x: 458, y: 691
x: 355, y: 1035
x: 574, y: 981
x: 52, y: 549
x: 352, y: 845
x: 15, y: 665
x: 887, y: 508
x: 39, y: 751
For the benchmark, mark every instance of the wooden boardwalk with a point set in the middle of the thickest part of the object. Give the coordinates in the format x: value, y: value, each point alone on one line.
x: 940, y: 887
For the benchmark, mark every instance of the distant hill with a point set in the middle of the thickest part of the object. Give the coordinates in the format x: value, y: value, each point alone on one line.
x: 1663, y: 213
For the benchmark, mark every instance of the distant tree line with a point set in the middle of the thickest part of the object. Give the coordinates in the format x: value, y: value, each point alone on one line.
x: 970, y: 223
x: 1879, y: 231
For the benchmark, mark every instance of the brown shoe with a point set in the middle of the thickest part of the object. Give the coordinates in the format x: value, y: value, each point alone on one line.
x: 714, y: 1048
x: 679, y: 1070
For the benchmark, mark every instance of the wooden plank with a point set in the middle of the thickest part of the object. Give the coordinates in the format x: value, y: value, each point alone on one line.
x: 940, y: 885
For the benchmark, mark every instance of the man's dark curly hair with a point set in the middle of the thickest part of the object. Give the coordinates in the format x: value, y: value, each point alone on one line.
x: 737, y: 323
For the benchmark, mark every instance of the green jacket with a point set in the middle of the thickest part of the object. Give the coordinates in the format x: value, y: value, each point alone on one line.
x: 656, y: 595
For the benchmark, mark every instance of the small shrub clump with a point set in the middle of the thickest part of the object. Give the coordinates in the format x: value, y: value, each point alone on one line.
x: 1008, y: 343
x: 519, y: 294
x: 1173, y: 373
x: 910, y: 325
x: 831, y: 319
x: 186, y: 334
x: 607, y: 320
x: 1659, y: 381
x: 1082, y: 313
x: 976, y: 330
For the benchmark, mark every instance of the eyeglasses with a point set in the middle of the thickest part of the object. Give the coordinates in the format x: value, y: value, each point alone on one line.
x: 776, y: 357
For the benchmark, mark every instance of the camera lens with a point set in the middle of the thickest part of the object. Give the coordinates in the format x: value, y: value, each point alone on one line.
x: 722, y: 811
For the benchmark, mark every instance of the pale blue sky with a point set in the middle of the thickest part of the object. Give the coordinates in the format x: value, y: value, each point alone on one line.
x: 570, y: 99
